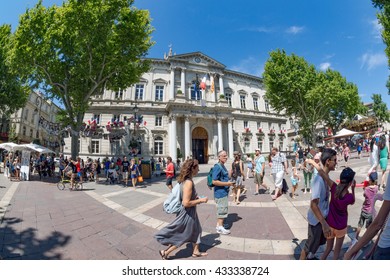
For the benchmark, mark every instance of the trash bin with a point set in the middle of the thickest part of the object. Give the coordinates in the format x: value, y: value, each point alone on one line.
x: 146, y: 169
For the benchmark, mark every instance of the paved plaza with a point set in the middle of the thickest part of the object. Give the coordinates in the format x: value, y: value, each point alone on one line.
x: 105, y: 222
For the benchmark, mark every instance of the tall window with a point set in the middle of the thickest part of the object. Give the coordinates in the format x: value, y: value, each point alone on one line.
x: 24, y: 131
x: 195, y: 94
x: 266, y: 105
x: 116, y: 117
x: 242, y: 101
x: 119, y: 94
x: 247, y: 145
x: 31, y: 132
x: 255, y: 103
x: 139, y: 92
x: 271, y: 144
x: 97, y: 118
x: 95, y: 147
x: 158, y: 145
x: 26, y: 115
x: 159, y: 93
x: 260, y: 143
x: 258, y: 125
x: 228, y: 97
x: 158, y: 121
x: 246, y: 124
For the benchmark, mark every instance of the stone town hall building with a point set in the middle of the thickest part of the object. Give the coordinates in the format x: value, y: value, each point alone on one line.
x: 191, y: 105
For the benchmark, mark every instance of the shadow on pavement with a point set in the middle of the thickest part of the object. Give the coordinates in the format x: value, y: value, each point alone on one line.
x: 26, y: 245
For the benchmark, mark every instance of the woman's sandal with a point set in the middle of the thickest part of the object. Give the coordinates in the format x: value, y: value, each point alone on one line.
x: 162, y: 254
x: 200, y: 254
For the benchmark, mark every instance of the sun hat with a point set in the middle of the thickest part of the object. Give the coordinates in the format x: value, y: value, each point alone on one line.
x: 257, y: 149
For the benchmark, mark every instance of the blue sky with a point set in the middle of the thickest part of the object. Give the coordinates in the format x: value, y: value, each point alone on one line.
x: 343, y: 35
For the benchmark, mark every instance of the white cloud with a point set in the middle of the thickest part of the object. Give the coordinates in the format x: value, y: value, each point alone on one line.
x: 371, y: 61
x: 325, y: 66
x: 250, y: 65
x: 295, y: 29
x: 260, y: 29
x: 376, y: 29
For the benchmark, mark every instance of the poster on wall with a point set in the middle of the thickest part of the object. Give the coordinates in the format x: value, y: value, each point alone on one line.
x: 25, y: 166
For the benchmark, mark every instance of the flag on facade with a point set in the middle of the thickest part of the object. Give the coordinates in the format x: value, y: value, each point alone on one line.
x: 203, y: 83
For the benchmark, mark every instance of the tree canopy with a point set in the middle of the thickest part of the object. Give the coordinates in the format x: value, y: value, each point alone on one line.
x: 311, y: 97
x: 13, y: 94
x: 384, y: 19
x: 379, y: 108
x: 77, y: 50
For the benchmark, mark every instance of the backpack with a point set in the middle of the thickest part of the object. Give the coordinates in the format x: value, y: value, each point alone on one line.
x: 172, y: 204
x: 210, y: 177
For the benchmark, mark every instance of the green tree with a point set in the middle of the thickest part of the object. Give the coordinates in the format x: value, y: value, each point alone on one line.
x: 380, y: 108
x: 384, y: 19
x: 13, y: 94
x: 77, y: 50
x: 311, y: 97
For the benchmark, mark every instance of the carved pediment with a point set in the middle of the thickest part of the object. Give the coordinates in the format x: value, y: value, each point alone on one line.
x: 197, y: 58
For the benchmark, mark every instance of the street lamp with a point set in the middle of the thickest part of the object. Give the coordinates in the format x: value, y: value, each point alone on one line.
x: 135, y: 110
x: 38, y: 102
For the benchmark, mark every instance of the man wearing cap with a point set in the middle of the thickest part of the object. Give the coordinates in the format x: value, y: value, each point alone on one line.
x: 259, y: 164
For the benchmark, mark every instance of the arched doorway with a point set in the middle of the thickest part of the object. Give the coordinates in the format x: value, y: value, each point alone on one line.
x: 200, y: 145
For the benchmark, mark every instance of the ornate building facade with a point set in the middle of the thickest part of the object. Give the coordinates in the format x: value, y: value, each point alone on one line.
x: 35, y: 122
x: 187, y: 105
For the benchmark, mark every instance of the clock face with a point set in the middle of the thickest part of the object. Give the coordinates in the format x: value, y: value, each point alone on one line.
x: 197, y: 59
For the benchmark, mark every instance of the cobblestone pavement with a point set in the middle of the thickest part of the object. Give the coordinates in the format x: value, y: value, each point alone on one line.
x: 109, y: 221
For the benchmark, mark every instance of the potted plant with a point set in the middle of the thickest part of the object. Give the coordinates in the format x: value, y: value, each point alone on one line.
x: 247, y: 130
x: 221, y: 96
x: 179, y: 92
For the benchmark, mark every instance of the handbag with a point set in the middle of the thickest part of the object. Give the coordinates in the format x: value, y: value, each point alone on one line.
x: 140, y: 178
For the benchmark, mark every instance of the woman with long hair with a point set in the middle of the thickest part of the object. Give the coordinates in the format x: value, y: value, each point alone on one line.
x: 186, y: 226
x: 337, y: 217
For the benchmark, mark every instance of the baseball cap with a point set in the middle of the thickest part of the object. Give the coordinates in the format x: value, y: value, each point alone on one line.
x: 373, y: 176
x: 347, y: 175
x: 257, y: 149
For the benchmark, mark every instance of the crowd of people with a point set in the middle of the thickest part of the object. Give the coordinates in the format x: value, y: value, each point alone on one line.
x: 329, y: 201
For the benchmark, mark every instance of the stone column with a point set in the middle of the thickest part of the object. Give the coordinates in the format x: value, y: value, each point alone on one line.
x: 172, y: 138
x: 187, y: 137
x: 172, y: 84
x: 230, y: 137
x: 221, y: 88
x: 220, y: 137
x: 183, y: 80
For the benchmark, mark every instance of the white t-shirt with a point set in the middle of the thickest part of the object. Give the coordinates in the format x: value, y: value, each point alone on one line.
x: 384, y: 241
x: 374, y: 158
x: 319, y: 190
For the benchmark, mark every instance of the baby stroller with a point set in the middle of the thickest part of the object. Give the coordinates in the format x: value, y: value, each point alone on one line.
x: 111, y: 178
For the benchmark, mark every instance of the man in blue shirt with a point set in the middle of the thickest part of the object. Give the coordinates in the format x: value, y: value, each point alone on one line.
x: 221, y: 190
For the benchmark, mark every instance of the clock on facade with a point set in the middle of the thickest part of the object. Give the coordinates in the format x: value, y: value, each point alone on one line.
x: 197, y: 59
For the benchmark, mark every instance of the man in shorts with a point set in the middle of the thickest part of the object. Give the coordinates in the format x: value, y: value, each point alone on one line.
x: 169, y: 172
x: 259, y: 165
x: 221, y: 191
x: 125, y: 170
x: 318, y: 229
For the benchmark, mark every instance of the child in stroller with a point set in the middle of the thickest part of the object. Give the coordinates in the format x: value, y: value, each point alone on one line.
x: 111, y: 177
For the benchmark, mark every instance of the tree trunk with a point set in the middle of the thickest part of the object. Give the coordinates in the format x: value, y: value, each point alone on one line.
x: 74, y: 144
